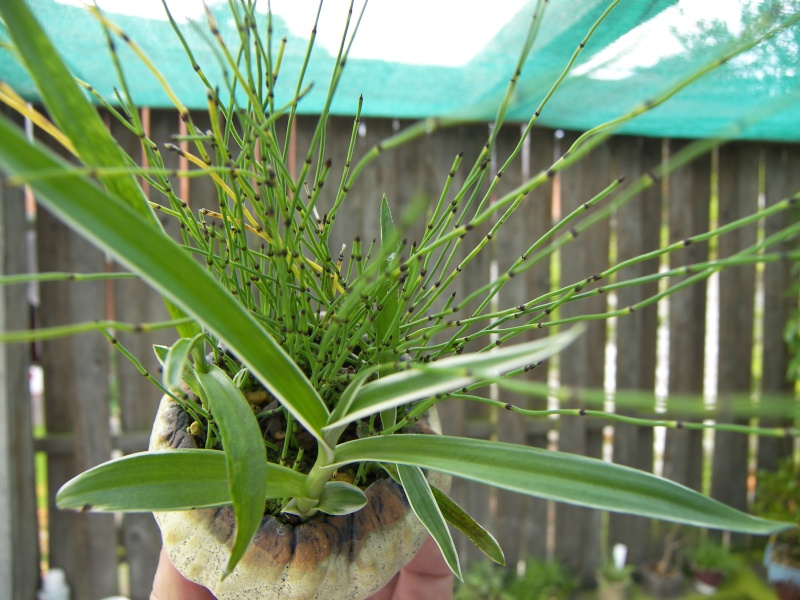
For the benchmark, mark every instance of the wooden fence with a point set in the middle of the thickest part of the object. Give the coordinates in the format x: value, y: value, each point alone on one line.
x: 80, y: 371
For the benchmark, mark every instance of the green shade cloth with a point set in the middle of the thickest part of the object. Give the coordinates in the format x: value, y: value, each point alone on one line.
x: 760, y: 89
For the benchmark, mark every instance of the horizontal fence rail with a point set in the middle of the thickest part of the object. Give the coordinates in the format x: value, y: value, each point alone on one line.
x: 96, y: 404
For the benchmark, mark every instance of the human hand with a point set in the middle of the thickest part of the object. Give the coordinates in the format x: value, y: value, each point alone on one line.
x: 426, y: 577
x: 169, y: 584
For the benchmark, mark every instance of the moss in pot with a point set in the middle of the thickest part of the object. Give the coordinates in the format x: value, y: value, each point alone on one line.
x: 347, y: 349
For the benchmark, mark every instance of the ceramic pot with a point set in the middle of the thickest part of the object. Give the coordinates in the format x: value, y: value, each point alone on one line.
x: 707, y: 582
x: 328, y: 557
x: 662, y: 584
x: 784, y: 578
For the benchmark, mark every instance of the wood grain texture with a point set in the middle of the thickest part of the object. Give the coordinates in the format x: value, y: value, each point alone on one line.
x: 781, y: 180
x: 19, y: 554
x: 688, y: 197
x: 76, y: 400
x: 638, y: 226
x: 582, y: 363
x: 738, y: 197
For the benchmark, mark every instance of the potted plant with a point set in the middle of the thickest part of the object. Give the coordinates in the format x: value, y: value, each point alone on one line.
x: 615, y: 577
x: 482, y: 580
x: 663, y: 578
x: 778, y: 496
x: 543, y: 580
x: 294, y: 454
x: 710, y: 563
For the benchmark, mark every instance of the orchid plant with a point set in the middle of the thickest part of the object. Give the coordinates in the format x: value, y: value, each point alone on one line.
x: 348, y: 346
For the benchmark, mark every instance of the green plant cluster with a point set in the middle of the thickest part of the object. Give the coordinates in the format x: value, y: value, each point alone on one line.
x: 541, y: 580
x: 778, y: 497
x: 708, y: 555
x: 352, y: 344
x: 611, y: 573
x: 791, y: 334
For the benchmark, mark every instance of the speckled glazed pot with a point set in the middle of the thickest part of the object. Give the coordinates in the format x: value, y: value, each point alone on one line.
x: 327, y: 558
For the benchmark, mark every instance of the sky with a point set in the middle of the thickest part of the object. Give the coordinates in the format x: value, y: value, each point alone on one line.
x: 447, y: 33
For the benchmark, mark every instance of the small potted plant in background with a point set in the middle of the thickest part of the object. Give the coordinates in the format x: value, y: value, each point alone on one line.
x: 543, y: 580
x: 710, y: 563
x: 301, y: 377
x: 663, y: 578
x: 482, y: 580
x: 778, y: 497
x: 615, y: 577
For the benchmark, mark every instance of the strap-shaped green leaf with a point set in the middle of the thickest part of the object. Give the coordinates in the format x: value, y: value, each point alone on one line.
x: 427, y: 510
x: 461, y: 520
x: 447, y: 375
x: 556, y: 476
x: 165, y: 480
x: 175, y: 362
x: 245, y: 455
x: 387, y: 322
x: 187, y: 374
x: 116, y: 228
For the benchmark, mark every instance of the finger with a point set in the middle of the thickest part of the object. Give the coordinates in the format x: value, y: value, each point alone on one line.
x: 169, y: 584
x: 429, y: 561
x: 427, y: 577
x: 387, y: 591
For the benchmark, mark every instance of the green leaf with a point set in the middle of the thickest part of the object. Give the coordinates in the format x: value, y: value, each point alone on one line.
x: 68, y: 106
x: 78, y: 119
x: 149, y: 481
x: 165, y: 480
x: 337, y: 498
x: 425, y: 381
x: 176, y: 362
x: 387, y: 323
x: 117, y: 229
x: 187, y: 374
x: 424, y: 505
x: 555, y: 476
x: 245, y: 455
x: 341, y: 498
x: 461, y: 520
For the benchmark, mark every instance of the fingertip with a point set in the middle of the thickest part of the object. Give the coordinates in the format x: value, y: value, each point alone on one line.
x: 169, y: 584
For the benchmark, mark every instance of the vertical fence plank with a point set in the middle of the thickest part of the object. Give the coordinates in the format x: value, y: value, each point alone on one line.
x: 583, y: 363
x: 458, y: 417
x: 537, y: 216
x: 688, y: 196
x: 521, y: 521
x: 781, y: 179
x: 738, y: 197
x: 19, y: 553
x: 481, y: 501
x: 76, y: 402
x: 638, y: 225
x: 136, y: 302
